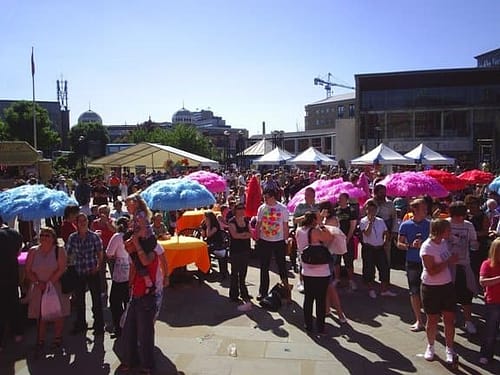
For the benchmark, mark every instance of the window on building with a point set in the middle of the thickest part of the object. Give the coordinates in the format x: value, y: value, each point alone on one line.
x: 340, y: 111
x: 400, y: 99
x: 317, y: 122
x: 351, y: 110
x: 427, y: 124
x: 289, y: 145
x: 316, y: 143
x: 399, y: 125
x: 455, y: 124
x: 303, y: 145
x: 428, y: 97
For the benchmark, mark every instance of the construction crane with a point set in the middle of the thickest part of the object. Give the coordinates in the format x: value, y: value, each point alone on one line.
x: 329, y: 84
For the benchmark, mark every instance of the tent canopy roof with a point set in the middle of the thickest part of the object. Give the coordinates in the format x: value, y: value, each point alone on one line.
x: 276, y: 156
x: 258, y: 149
x: 17, y: 153
x: 382, y: 154
x: 312, y: 156
x: 424, y: 155
x: 151, y: 155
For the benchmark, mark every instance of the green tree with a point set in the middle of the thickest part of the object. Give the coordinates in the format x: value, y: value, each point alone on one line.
x: 89, y: 139
x: 186, y: 137
x: 19, y: 120
x: 182, y: 136
x: 4, y: 131
x: 141, y: 134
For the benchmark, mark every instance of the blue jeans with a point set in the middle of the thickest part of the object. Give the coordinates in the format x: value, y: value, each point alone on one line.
x: 491, y: 329
x: 138, y: 335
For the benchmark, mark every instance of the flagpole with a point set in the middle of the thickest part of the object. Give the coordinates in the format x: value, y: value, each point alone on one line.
x: 33, y: 85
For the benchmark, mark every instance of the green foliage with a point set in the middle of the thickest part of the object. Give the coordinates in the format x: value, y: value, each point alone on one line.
x: 182, y: 136
x: 19, y: 121
x: 94, y: 135
x: 4, y: 131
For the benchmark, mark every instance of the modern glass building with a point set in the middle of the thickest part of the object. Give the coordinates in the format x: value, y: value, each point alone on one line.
x: 453, y: 111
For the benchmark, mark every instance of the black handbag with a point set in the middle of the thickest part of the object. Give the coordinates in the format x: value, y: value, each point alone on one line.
x: 315, y: 254
x: 69, y: 279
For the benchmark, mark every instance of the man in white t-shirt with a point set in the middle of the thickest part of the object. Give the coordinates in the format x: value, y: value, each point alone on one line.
x: 271, y: 233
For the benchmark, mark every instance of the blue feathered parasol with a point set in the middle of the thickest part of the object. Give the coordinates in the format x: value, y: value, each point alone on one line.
x: 176, y: 194
x: 31, y: 202
x: 495, y: 185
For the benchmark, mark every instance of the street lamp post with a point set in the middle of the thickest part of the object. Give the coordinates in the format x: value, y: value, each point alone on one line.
x: 227, y: 135
x: 240, y: 148
x: 81, y: 151
x: 378, y: 129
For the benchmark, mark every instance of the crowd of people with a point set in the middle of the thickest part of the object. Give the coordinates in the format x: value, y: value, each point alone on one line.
x: 450, y: 247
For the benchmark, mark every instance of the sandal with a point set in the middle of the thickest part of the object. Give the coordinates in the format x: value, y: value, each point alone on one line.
x: 56, y: 343
x: 417, y: 327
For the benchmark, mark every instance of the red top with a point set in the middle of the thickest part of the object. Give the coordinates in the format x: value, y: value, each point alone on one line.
x: 106, y: 233
x: 66, y: 229
x: 138, y: 284
x: 492, y: 292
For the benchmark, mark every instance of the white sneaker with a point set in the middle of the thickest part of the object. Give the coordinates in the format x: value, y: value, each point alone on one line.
x: 450, y: 355
x: 388, y: 293
x: 300, y: 288
x: 429, y: 353
x: 353, y: 285
x: 483, y: 360
x: 372, y: 294
x: 470, y: 327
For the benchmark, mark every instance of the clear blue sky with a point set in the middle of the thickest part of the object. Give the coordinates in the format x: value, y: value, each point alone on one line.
x: 248, y: 61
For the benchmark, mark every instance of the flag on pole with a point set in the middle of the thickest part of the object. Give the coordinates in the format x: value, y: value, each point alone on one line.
x: 32, y: 62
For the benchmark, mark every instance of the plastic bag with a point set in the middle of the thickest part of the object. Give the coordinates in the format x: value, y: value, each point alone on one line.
x: 50, y: 306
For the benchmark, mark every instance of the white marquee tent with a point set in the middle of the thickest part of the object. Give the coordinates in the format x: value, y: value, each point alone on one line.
x: 257, y: 149
x: 312, y: 156
x: 151, y: 156
x: 383, y: 155
x: 274, y: 157
x: 426, y: 156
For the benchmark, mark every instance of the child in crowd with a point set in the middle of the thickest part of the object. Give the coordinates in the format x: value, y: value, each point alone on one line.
x: 141, y: 227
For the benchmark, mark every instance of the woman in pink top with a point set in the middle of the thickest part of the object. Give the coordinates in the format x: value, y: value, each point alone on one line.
x: 489, y: 278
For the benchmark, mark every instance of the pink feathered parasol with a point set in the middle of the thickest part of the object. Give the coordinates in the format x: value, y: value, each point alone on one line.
x: 327, y: 190
x: 413, y: 184
x: 212, y: 181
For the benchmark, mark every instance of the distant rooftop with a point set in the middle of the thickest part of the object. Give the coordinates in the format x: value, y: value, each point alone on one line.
x: 336, y: 98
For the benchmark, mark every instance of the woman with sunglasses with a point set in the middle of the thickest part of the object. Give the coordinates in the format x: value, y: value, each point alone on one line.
x: 46, y: 263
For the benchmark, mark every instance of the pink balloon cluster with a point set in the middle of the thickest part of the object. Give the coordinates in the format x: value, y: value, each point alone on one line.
x: 413, y: 184
x: 212, y: 181
x: 328, y: 190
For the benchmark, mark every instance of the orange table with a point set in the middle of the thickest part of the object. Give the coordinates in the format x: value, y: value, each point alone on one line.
x: 181, y: 251
x: 191, y: 219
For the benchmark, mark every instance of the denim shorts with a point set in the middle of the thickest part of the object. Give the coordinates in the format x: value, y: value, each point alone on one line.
x: 413, y: 274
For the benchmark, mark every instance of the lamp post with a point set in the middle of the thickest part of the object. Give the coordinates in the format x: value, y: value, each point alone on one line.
x: 240, y: 148
x: 82, y: 151
x: 226, y: 136
x: 378, y: 129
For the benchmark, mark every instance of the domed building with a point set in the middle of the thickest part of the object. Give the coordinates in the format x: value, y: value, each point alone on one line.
x: 182, y: 116
x: 89, y: 117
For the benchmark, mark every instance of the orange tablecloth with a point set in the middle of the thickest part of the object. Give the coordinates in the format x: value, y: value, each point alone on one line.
x: 191, y: 219
x: 181, y: 251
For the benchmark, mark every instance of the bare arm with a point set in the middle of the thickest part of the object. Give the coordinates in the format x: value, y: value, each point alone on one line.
x: 489, y: 281
x: 433, y: 267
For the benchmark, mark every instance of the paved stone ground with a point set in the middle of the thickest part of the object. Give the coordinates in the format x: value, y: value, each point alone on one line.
x: 197, y: 323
